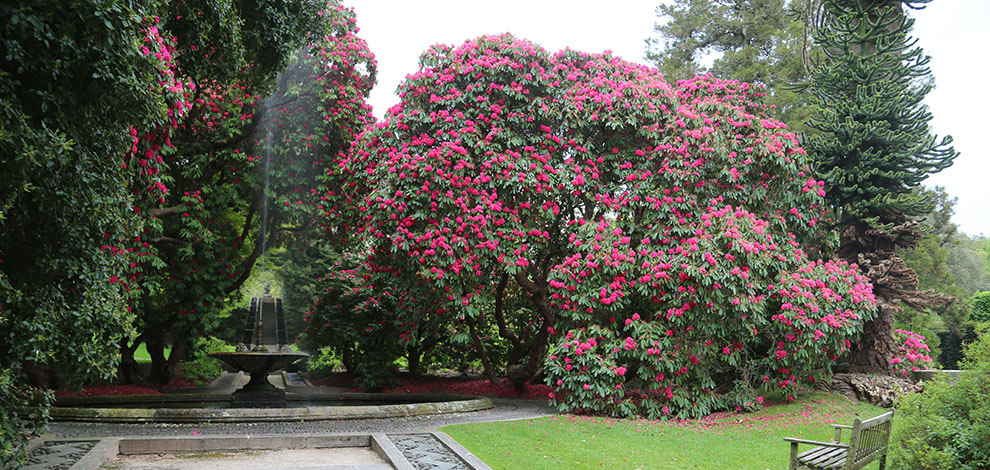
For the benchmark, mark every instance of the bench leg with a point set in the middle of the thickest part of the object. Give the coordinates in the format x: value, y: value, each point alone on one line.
x: 883, y: 461
x: 794, y: 458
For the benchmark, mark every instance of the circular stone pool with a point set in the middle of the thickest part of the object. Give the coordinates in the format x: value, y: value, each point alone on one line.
x: 215, y: 408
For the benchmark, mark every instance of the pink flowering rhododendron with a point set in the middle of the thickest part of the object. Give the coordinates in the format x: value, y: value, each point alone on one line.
x: 912, y: 353
x: 197, y: 176
x: 658, y: 231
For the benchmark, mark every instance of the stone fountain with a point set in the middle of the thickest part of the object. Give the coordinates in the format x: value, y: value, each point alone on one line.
x: 262, y: 350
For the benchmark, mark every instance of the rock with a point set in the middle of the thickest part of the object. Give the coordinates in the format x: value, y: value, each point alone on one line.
x: 880, y: 390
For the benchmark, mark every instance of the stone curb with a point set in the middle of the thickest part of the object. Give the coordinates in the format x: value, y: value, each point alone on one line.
x: 104, y: 452
x: 197, y: 444
x: 458, y: 404
x: 457, y: 448
x: 383, y: 445
x: 109, y: 448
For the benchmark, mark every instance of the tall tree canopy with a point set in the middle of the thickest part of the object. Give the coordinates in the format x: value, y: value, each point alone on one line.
x: 663, y: 224
x: 130, y: 150
x: 67, y: 182
x: 756, y: 41
x: 243, y: 169
x: 874, y: 148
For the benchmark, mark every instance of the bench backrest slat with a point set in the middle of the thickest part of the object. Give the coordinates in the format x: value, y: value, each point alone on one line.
x: 868, y: 439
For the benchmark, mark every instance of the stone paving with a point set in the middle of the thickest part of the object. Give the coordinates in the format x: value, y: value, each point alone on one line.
x: 426, y: 452
x: 58, y: 455
x: 297, y: 459
x: 413, y: 436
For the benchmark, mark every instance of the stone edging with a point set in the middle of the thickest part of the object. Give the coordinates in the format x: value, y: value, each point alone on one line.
x: 109, y: 448
x: 445, y: 404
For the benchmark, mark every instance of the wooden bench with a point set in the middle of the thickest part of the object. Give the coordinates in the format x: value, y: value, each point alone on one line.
x: 867, y: 442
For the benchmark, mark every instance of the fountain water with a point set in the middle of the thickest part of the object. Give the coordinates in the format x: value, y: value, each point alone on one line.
x: 263, y: 347
x: 263, y: 351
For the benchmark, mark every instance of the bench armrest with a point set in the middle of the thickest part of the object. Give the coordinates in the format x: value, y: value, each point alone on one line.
x: 838, y: 431
x: 816, y: 443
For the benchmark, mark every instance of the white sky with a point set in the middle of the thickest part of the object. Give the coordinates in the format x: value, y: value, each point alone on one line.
x: 953, y: 32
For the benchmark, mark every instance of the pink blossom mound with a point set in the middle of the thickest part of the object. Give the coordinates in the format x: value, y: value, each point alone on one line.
x: 660, y: 231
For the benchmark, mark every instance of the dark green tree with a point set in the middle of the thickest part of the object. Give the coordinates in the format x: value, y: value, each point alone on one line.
x: 74, y: 82
x: 875, y: 147
x: 126, y: 184
x: 981, y: 306
x: 756, y: 41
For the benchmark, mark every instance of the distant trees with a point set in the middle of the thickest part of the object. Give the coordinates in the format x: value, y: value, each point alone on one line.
x: 764, y: 42
x: 868, y: 131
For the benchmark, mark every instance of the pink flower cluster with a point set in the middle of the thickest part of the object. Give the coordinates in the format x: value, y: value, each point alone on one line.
x: 912, y: 352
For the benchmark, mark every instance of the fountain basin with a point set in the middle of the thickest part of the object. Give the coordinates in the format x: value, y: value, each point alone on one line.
x: 311, y: 408
x: 259, y: 392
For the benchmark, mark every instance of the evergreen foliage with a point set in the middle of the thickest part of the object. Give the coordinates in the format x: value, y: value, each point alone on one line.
x: 63, y: 159
x: 981, y: 307
x: 763, y: 42
x: 130, y: 164
x: 948, y: 425
x: 874, y: 146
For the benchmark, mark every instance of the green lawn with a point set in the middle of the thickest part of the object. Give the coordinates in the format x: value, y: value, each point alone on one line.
x: 141, y: 355
x: 727, y: 441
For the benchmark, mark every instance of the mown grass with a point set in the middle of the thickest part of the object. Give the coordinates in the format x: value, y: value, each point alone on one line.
x: 141, y: 355
x: 722, y: 441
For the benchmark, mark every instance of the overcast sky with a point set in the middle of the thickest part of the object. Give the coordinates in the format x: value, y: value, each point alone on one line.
x: 954, y: 32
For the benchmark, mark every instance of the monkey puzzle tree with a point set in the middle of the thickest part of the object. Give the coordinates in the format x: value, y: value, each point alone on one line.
x: 597, y: 190
x: 875, y: 146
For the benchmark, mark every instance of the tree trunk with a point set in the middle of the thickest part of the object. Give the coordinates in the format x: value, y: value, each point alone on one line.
x: 872, y: 352
x: 347, y: 358
x: 486, y: 363
x: 155, y: 343
x: 128, y: 369
x: 178, y: 354
x: 538, y: 347
x: 894, y: 284
x: 413, y: 358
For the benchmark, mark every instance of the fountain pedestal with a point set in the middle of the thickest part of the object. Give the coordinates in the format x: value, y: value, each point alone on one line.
x: 264, y: 332
x: 259, y: 392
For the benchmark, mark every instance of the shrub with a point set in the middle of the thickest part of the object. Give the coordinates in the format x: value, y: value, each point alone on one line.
x: 948, y: 425
x: 24, y: 413
x: 669, y: 223
x: 363, y: 313
x: 375, y: 373
x: 202, y: 366
x: 912, y: 353
x: 981, y: 307
x: 321, y: 363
